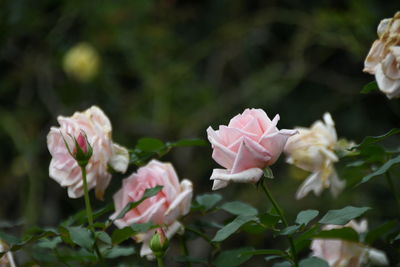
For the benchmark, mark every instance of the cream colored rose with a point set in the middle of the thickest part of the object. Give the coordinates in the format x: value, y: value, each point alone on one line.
x: 383, y: 59
x: 340, y: 253
x: 313, y: 150
x: 82, y: 62
x: 7, y: 260
x: 65, y: 169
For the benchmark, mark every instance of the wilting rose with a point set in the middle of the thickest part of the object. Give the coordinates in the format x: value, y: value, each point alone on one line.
x: 313, y: 150
x: 340, y: 253
x: 383, y: 59
x: 7, y: 260
x: 249, y: 143
x: 63, y: 166
x: 163, y: 209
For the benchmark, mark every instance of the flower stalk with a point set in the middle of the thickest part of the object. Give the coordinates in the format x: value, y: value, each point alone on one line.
x: 281, y: 214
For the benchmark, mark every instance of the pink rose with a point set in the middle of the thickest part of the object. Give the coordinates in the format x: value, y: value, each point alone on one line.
x: 172, y: 202
x: 340, y: 253
x: 65, y: 169
x: 249, y: 143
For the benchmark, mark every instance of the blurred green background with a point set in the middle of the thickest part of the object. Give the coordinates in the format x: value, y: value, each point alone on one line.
x: 169, y: 69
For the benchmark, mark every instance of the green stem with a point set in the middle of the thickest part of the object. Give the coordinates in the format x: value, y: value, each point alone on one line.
x: 283, y: 218
x: 89, y: 212
x: 185, y: 249
x: 393, y: 188
x: 160, y: 261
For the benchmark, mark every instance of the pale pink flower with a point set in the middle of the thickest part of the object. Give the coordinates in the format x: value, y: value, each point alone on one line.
x: 163, y: 209
x: 313, y: 150
x: 249, y: 143
x: 383, y: 59
x: 340, y: 253
x: 64, y: 168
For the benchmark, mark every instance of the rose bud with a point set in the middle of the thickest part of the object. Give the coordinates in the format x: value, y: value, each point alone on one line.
x: 159, y: 243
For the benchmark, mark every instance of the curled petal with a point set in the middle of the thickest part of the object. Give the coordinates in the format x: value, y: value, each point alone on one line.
x: 389, y: 86
x: 336, y: 185
x: 312, y: 183
x: 252, y: 175
x: 120, y: 158
x: 377, y: 257
x: 181, y: 205
x: 221, y: 154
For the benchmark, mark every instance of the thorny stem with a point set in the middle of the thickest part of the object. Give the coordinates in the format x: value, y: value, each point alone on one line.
x: 283, y: 218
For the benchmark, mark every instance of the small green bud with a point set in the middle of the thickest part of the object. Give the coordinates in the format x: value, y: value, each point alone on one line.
x: 159, y: 243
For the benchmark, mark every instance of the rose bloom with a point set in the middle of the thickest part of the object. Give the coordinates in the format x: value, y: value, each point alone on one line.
x: 340, y: 253
x: 249, y: 143
x: 163, y: 209
x: 7, y: 260
x: 63, y: 166
x: 383, y: 59
x: 313, y: 150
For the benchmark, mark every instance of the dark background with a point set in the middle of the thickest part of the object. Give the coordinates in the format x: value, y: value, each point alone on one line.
x: 169, y: 69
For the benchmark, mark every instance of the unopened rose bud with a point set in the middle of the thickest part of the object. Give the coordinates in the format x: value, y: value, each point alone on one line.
x: 159, y: 243
x: 82, y: 142
x: 82, y: 151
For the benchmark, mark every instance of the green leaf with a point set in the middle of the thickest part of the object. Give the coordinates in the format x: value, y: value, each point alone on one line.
x: 150, y: 144
x: 81, y: 236
x: 343, y: 216
x: 120, y: 235
x: 380, y: 231
x: 346, y: 233
x: 118, y: 251
x: 268, y: 173
x: 150, y: 192
x: 369, y: 87
x: 239, y: 208
x: 303, y: 240
x: 374, y: 139
x: 49, y: 243
x: 143, y: 227
x: 232, y: 227
x: 289, y: 230
x: 208, y: 201
x: 313, y: 262
x: 269, y: 220
x: 232, y: 258
x: 106, y: 209
x: 104, y: 237
x: 9, y: 239
x: 384, y: 168
x: 305, y: 216
x: 187, y: 142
